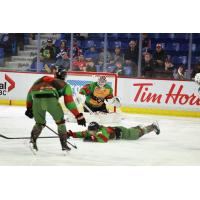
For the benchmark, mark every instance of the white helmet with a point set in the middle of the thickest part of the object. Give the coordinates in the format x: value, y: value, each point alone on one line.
x: 102, y: 81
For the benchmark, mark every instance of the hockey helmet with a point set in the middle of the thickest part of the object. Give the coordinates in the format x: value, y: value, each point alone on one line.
x: 93, y: 126
x: 61, y: 73
x: 102, y: 81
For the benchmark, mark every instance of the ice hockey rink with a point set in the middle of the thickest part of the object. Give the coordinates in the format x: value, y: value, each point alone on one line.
x: 178, y: 143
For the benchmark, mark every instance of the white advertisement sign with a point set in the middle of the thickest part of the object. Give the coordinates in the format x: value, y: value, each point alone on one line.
x: 145, y: 93
x: 163, y: 94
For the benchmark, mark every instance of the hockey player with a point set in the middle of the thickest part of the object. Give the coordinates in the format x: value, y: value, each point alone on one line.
x: 43, y: 97
x: 98, y: 133
x: 96, y: 93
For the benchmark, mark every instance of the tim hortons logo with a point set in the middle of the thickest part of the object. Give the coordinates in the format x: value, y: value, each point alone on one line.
x: 175, y: 95
x: 3, y: 86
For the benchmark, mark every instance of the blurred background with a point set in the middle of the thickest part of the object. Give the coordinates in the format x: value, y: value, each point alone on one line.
x: 141, y: 55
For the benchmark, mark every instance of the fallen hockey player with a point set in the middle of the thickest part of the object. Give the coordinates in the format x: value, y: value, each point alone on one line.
x: 98, y: 133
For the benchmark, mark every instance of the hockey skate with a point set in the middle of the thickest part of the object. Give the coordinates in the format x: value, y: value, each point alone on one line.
x: 63, y: 142
x: 156, y: 127
x: 33, y: 146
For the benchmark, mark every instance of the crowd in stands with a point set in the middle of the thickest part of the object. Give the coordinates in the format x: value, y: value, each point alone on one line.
x: 159, y: 58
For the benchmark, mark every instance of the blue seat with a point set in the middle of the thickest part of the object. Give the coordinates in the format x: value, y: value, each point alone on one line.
x: 198, y: 47
x: 87, y: 44
x: 114, y: 44
x: 26, y: 38
x: 196, y: 35
x: 128, y: 71
x: 166, y: 36
x: 181, y: 36
x: 172, y: 47
x: 154, y: 35
x: 111, y: 68
x: 114, y: 36
x: 96, y: 35
x: 1, y: 52
x: 195, y: 60
x: 179, y: 60
x: 184, y: 47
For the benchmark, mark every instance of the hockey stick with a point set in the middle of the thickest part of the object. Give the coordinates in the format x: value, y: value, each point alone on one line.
x: 74, y: 146
x: 78, y: 101
x: 57, y: 134
x: 90, y: 111
x: 18, y: 138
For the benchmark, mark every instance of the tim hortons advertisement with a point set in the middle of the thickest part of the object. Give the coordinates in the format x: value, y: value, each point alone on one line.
x: 182, y: 95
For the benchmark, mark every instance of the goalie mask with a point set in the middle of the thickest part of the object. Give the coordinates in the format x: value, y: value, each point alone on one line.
x: 102, y: 81
x: 60, y: 73
x: 93, y: 126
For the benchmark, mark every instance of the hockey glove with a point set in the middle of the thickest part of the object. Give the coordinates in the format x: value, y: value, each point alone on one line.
x: 90, y: 138
x: 81, y: 119
x: 29, y: 113
x: 70, y: 133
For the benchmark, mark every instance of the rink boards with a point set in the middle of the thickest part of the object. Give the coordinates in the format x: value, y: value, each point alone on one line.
x: 163, y: 97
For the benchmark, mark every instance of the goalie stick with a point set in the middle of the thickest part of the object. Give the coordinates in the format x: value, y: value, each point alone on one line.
x: 22, y: 138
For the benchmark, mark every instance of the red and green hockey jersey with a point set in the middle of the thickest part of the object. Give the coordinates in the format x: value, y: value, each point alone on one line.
x: 102, y: 135
x: 93, y: 90
x: 57, y: 87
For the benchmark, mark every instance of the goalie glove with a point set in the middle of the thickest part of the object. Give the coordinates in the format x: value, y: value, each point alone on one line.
x: 114, y: 102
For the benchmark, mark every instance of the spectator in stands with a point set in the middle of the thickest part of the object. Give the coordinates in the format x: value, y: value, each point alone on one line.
x: 62, y: 57
x: 6, y: 41
x: 146, y: 42
x: 48, y: 52
x: 179, y: 74
x: 20, y: 40
x: 169, y: 66
x: 79, y: 64
x: 117, y: 56
x: 196, y: 70
x: 119, y: 69
x: 76, y: 50
x: 91, y: 67
x: 81, y: 36
x: 159, y: 56
x: 91, y: 55
x: 147, y: 66
x: 131, y: 54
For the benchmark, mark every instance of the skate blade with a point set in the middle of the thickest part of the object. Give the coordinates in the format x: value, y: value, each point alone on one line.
x: 66, y: 152
x: 34, y: 152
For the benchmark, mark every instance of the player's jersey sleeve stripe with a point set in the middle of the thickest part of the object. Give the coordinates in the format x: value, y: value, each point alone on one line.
x: 103, y: 137
x: 69, y: 101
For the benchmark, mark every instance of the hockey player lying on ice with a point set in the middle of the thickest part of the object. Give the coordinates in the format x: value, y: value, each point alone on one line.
x: 98, y: 133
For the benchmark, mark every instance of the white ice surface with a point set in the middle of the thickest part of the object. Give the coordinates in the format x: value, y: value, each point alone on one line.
x: 178, y: 143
